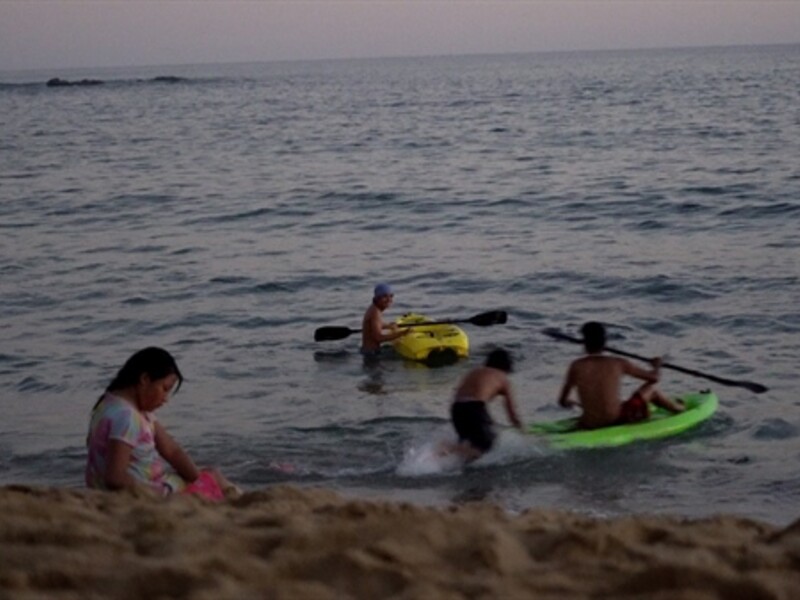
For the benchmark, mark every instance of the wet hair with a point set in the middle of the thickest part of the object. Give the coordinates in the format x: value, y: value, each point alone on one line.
x: 500, y: 359
x: 154, y: 362
x: 594, y: 336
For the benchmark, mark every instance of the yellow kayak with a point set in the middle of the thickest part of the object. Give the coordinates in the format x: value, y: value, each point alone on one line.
x: 436, y: 344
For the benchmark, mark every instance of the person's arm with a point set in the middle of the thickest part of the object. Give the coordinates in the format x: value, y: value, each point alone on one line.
x: 395, y: 332
x: 651, y: 376
x: 118, y: 459
x: 176, y: 456
x: 376, y: 327
x: 569, y: 382
x: 511, y: 409
x: 512, y: 413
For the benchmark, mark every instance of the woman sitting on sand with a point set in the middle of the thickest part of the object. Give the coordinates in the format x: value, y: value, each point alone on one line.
x: 128, y: 447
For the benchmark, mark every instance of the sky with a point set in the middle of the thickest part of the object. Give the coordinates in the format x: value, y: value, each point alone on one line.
x: 53, y: 34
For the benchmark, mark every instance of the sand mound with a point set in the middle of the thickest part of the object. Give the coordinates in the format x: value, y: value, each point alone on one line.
x: 287, y: 543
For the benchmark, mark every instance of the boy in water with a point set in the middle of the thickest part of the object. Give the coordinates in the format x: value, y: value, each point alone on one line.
x: 598, y: 379
x: 372, y: 327
x: 470, y: 416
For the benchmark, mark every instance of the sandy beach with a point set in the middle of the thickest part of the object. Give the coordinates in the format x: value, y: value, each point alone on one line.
x: 287, y: 542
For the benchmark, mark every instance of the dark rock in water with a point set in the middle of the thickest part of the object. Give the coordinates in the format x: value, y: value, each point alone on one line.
x: 56, y: 82
x: 168, y: 78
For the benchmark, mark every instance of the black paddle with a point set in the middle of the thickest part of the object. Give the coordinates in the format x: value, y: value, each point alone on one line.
x: 753, y: 387
x: 493, y: 317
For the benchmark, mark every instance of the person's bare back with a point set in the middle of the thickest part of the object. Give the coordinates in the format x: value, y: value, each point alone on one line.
x: 598, y: 380
x: 483, y: 383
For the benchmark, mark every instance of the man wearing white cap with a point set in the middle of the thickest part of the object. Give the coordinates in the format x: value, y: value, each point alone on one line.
x: 372, y: 328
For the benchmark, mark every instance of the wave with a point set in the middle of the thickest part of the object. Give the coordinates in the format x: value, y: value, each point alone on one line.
x: 752, y: 211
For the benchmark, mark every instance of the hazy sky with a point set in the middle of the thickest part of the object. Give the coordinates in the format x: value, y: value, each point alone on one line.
x: 54, y: 34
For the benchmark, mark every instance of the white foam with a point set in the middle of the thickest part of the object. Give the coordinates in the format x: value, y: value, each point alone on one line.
x: 437, y: 456
x: 434, y: 456
x: 511, y: 446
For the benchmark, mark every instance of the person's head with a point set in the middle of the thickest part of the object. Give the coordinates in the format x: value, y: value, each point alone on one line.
x: 594, y: 337
x: 149, y: 375
x: 500, y: 359
x: 382, y: 296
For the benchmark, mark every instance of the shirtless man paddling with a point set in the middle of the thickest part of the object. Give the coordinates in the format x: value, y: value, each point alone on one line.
x: 373, y: 327
x: 597, y: 379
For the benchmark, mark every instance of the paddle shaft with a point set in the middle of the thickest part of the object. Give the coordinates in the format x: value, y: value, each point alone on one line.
x: 750, y: 385
x: 494, y: 317
x: 339, y: 333
x: 424, y: 323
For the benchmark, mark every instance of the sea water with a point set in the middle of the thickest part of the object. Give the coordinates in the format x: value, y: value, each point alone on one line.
x: 227, y: 212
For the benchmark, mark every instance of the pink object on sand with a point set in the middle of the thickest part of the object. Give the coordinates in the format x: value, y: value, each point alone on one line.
x: 205, y: 486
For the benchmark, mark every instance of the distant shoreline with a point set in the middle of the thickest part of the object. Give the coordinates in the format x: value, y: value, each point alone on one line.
x: 58, y: 82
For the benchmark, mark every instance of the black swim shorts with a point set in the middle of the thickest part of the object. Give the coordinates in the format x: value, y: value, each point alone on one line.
x: 473, y: 423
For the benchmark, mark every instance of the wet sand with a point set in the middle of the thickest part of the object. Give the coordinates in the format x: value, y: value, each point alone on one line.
x: 290, y: 543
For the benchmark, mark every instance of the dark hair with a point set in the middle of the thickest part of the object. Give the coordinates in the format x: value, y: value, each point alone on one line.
x: 594, y: 336
x: 500, y: 359
x: 154, y: 362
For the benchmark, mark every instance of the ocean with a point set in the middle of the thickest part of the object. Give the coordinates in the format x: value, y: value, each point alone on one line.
x: 224, y: 212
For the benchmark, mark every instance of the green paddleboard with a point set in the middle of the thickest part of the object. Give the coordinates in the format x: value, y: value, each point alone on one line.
x: 564, y: 434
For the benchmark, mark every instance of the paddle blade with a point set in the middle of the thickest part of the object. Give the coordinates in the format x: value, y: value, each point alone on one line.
x: 754, y: 387
x: 325, y: 334
x: 493, y: 317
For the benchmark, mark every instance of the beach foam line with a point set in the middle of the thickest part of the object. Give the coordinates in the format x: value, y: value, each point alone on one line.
x: 287, y: 542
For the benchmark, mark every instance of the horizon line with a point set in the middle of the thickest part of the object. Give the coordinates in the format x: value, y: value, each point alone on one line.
x: 400, y: 57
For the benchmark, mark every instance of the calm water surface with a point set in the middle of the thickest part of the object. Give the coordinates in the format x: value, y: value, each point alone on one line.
x: 227, y: 215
